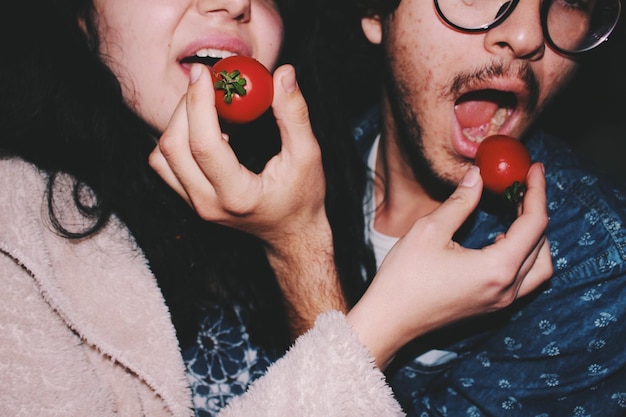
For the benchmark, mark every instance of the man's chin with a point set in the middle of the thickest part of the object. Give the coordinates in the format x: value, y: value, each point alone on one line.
x: 438, y: 187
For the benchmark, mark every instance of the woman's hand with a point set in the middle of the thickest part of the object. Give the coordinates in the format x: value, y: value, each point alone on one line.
x: 283, y: 205
x: 428, y: 281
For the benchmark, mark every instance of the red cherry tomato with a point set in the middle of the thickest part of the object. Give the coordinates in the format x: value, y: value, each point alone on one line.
x: 504, y: 163
x: 243, y: 89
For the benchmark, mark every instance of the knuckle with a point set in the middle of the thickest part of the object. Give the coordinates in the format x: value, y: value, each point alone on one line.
x: 155, y: 160
x: 297, y: 113
x: 459, y: 198
x: 239, y: 206
x: 201, y: 149
x: 428, y: 226
x: 168, y: 145
x: 204, y: 209
x: 506, y: 299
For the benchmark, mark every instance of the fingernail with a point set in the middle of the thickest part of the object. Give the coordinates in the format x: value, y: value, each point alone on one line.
x: 289, y: 81
x: 194, y: 73
x: 471, y: 177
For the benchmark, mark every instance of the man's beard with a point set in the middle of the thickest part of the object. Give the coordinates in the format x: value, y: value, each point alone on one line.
x: 409, y: 131
x: 410, y: 143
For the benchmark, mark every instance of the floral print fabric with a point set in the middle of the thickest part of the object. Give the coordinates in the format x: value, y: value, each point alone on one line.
x: 560, y: 352
x: 223, y: 362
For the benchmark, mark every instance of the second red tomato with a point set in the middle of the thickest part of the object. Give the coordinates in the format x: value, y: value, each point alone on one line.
x: 503, y: 161
x: 244, y: 89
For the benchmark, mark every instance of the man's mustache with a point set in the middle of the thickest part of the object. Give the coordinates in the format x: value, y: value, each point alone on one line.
x: 470, y: 81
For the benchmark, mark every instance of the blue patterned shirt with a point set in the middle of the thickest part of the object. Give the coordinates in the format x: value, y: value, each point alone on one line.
x: 560, y: 352
x: 223, y: 362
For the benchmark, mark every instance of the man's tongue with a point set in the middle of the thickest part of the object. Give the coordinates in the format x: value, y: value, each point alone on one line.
x: 475, y: 113
x: 480, y: 118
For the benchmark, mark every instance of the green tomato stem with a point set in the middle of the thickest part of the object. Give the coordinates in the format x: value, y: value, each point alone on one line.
x: 515, y: 193
x: 232, y: 83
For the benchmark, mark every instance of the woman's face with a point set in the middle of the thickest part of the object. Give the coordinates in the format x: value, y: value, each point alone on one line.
x: 149, y: 44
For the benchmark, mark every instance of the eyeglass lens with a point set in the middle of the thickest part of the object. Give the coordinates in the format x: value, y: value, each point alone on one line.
x: 571, y: 25
x: 580, y: 25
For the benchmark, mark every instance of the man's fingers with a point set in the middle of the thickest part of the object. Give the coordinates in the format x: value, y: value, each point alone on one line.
x: 208, y: 147
x: 175, y: 163
x: 158, y: 162
x: 171, y: 157
x: 292, y: 114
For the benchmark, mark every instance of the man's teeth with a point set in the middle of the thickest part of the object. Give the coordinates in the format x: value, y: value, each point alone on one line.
x: 476, y: 134
x: 213, y: 53
x: 498, y: 120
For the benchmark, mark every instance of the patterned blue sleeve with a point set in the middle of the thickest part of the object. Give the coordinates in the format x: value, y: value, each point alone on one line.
x: 560, y: 352
x: 224, y: 361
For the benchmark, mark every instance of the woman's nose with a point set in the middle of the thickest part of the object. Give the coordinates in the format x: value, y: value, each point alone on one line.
x: 235, y: 9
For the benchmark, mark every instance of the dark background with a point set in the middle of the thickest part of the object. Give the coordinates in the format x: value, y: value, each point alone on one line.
x: 591, y: 113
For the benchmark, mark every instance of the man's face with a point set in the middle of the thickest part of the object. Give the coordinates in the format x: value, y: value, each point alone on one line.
x: 446, y: 90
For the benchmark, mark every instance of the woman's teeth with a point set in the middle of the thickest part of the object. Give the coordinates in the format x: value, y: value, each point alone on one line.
x: 213, y: 53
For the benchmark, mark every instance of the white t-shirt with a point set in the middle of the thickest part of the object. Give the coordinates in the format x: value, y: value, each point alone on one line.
x: 382, y: 244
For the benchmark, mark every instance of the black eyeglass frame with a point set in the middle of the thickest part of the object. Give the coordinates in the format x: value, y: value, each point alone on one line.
x: 545, y: 5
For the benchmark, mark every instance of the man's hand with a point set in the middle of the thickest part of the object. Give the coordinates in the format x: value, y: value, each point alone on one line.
x: 283, y: 205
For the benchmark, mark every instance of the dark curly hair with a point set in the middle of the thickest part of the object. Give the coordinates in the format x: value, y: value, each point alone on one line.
x: 376, y: 7
x: 337, y: 71
x: 62, y: 109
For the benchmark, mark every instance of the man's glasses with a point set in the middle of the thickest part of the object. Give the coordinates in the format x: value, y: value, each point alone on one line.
x: 569, y: 26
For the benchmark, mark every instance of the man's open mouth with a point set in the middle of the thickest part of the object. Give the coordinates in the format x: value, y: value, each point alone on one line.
x: 481, y: 113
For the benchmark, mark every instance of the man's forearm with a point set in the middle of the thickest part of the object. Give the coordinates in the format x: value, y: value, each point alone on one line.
x: 306, y: 272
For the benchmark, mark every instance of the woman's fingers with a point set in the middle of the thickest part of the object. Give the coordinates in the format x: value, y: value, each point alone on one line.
x: 523, y: 253
x: 537, y: 267
x: 533, y: 219
x: 428, y: 281
x: 540, y: 270
x: 452, y: 213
